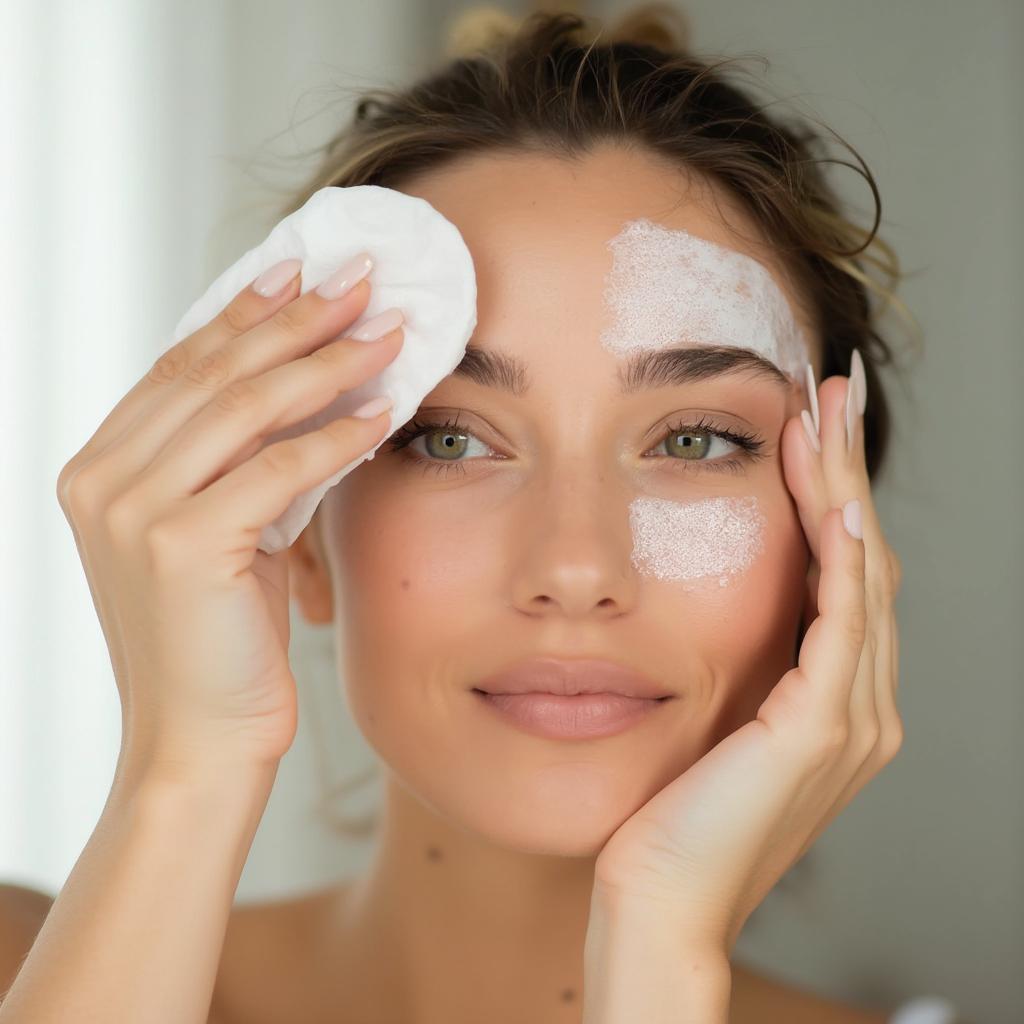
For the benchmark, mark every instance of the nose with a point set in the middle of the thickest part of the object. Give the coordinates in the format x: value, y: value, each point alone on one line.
x: 574, y: 552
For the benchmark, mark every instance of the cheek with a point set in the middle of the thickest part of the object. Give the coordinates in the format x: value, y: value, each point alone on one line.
x: 734, y: 567
x: 410, y: 575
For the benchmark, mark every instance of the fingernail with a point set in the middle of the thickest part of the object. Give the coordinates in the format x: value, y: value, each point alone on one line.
x: 850, y: 405
x: 374, y: 407
x: 345, y: 278
x: 274, y: 278
x: 812, y: 398
x: 812, y: 434
x: 379, y: 325
x: 851, y: 518
x: 857, y: 372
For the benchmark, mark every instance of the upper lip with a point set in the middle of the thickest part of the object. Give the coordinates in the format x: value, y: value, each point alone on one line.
x: 568, y: 677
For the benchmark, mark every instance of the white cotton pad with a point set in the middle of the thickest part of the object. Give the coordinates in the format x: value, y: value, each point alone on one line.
x: 421, y: 265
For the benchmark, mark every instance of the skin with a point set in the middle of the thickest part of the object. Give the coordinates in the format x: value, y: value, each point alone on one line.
x: 484, y: 868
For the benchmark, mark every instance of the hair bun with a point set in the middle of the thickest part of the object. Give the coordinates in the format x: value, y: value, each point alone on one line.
x: 479, y: 28
x: 661, y: 25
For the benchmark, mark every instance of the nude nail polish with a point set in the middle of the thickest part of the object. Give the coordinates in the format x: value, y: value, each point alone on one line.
x: 812, y: 434
x: 857, y: 372
x: 812, y: 397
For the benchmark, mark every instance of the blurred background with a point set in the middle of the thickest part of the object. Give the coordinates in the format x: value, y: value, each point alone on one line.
x: 143, y: 147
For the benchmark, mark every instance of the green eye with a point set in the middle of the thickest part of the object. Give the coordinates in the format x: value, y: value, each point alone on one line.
x: 450, y: 445
x: 693, y: 446
x: 445, y: 445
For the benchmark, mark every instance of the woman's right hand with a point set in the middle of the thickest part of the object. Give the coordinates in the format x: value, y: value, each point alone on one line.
x: 167, y: 501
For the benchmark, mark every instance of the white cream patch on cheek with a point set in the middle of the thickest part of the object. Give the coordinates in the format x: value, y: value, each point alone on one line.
x: 667, y: 287
x: 712, y: 537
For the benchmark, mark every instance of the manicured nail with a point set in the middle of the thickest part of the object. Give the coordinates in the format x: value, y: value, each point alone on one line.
x: 343, y: 280
x: 379, y: 325
x: 850, y: 405
x: 812, y: 434
x: 274, y: 278
x: 851, y: 518
x: 857, y: 372
x: 374, y: 407
x: 812, y: 398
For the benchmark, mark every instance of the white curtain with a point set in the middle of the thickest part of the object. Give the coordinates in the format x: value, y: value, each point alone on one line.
x: 135, y: 149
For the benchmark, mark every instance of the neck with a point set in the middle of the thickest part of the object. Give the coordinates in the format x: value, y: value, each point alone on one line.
x: 446, y: 926
x: 460, y: 918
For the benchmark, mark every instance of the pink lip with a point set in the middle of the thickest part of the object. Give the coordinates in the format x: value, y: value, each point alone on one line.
x: 584, y: 716
x: 568, y: 677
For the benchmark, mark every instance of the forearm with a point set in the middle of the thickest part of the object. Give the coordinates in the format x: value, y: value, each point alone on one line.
x: 640, y: 965
x: 137, y: 930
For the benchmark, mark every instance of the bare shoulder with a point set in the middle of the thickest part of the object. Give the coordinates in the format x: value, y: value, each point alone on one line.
x: 266, y: 961
x: 758, y: 998
x: 22, y: 913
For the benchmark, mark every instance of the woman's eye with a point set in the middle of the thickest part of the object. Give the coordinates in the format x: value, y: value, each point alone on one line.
x: 696, y: 446
x: 443, y: 444
x: 700, y: 446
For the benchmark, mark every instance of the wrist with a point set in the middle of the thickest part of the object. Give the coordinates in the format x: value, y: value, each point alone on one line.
x: 641, y: 963
x: 155, y: 770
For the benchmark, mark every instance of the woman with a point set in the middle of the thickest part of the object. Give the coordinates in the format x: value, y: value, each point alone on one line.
x: 691, y: 528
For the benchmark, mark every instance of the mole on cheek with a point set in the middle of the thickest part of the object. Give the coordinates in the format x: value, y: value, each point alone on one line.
x: 687, y: 541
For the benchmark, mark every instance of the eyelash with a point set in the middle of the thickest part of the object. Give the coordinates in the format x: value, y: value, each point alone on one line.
x: 750, y: 445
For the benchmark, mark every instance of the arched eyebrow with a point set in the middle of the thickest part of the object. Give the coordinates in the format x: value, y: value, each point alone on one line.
x: 649, y: 368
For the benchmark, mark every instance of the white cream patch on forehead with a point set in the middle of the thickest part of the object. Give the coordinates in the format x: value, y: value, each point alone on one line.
x: 713, y: 537
x: 667, y: 287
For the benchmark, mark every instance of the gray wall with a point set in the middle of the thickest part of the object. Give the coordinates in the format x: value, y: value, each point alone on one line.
x: 917, y: 887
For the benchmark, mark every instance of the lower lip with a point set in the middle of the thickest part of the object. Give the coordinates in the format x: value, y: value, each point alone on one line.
x: 584, y: 716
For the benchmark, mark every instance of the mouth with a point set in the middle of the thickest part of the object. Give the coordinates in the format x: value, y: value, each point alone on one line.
x: 566, y: 717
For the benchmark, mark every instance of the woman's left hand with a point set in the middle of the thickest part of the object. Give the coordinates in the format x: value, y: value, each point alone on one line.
x: 708, y: 848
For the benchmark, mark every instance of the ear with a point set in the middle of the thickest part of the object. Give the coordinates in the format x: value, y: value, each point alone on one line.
x: 309, y: 579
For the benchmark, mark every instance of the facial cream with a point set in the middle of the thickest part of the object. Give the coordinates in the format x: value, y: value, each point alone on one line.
x: 712, y: 537
x: 668, y: 287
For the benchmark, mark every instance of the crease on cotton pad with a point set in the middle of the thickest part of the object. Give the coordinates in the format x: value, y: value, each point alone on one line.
x: 421, y: 265
x: 693, y: 540
x: 668, y: 287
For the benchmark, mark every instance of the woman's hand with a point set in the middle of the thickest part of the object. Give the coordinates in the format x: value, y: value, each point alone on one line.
x: 708, y: 848
x: 167, y: 502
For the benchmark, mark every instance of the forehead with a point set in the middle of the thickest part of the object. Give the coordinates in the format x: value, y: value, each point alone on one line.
x: 540, y: 227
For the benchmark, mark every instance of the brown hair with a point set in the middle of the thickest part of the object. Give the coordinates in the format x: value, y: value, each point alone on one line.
x: 558, y: 83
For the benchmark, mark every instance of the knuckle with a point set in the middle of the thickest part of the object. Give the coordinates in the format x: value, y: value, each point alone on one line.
x: 209, y: 372
x: 292, y: 319
x: 280, y: 458
x: 170, y: 366
x: 868, y: 739
x: 335, y: 354
x: 892, y: 741
x: 825, y: 743
x: 80, y: 490
x: 122, y: 516
x: 238, y: 395
x: 166, y: 543
x: 235, y: 318
x: 855, y: 624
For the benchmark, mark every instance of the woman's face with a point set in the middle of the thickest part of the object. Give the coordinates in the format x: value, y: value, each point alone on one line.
x: 510, y: 535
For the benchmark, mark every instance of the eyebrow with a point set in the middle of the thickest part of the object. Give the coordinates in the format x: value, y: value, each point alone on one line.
x: 650, y: 368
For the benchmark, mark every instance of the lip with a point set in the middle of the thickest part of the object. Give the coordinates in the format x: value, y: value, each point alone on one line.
x: 584, y: 716
x: 563, y: 698
x: 567, y: 677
